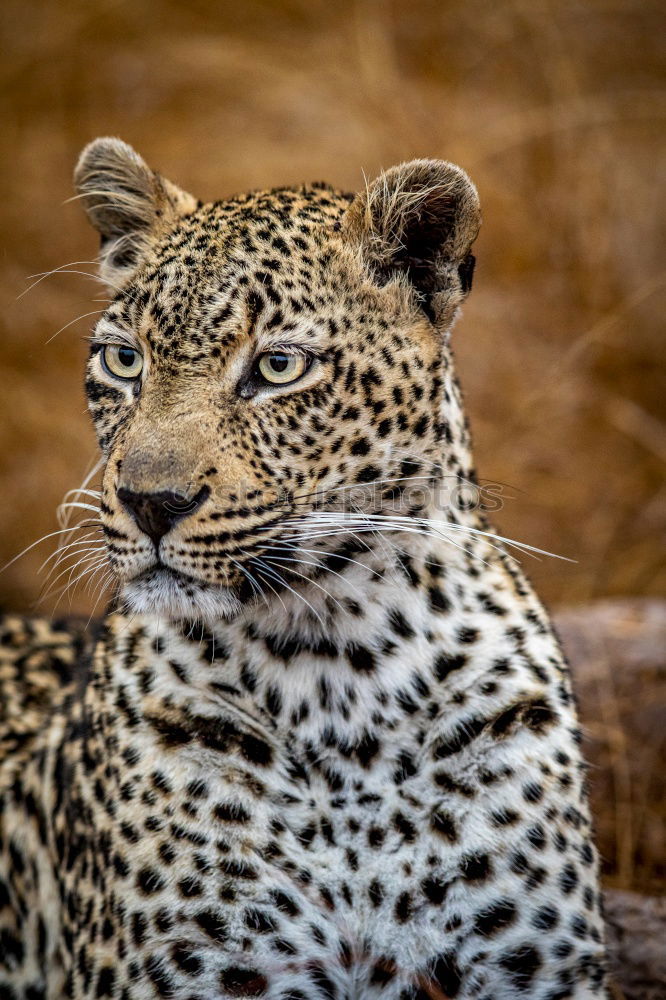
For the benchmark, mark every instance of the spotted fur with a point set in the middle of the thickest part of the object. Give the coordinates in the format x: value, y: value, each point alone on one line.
x: 324, y: 747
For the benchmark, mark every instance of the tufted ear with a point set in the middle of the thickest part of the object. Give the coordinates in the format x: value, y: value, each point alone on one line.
x: 127, y: 203
x: 419, y: 220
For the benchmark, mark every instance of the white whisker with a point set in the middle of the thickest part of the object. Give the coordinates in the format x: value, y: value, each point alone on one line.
x: 44, y: 538
x: 61, y: 551
x: 59, y: 270
x: 310, y: 581
x: 79, y: 490
x: 255, y: 586
x: 78, y: 554
x: 70, y: 583
x: 104, y: 583
x: 78, y: 504
x: 415, y: 524
x: 318, y: 552
x: 94, y: 556
x: 63, y: 518
x: 95, y: 312
x: 276, y: 576
x: 100, y: 569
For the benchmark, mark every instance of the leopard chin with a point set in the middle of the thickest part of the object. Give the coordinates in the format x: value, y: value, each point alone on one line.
x: 165, y: 592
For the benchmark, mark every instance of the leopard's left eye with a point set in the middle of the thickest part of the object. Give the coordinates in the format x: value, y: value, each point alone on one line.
x: 121, y: 361
x: 280, y: 369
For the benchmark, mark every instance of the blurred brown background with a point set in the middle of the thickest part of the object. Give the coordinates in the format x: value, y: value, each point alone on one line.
x: 555, y: 108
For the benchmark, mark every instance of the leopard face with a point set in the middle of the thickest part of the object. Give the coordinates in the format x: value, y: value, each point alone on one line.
x: 263, y: 360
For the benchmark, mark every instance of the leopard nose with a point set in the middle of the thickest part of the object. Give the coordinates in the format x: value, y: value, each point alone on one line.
x: 157, y: 513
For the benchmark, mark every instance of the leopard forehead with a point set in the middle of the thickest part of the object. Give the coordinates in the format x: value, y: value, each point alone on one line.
x: 270, y: 264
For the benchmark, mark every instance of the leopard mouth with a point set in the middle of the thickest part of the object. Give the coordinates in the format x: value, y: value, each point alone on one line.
x: 162, y: 590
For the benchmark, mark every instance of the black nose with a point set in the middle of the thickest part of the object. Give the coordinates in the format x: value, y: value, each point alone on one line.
x: 156, y: 513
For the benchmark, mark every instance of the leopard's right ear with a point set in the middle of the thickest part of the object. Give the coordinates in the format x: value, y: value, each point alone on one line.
x: 127, y: 203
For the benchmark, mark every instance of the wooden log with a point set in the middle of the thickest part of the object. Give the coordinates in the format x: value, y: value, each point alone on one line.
x: 617, y: 651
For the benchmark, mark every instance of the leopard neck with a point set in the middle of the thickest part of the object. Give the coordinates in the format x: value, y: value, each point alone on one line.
x: 393, y: 642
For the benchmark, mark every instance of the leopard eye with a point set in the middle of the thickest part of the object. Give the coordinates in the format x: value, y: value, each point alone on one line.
x: 280, y: 369
x: 122, y: 361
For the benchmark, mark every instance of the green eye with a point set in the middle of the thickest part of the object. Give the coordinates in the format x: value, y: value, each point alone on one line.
x: 121, y: 361
x: 280, y: 369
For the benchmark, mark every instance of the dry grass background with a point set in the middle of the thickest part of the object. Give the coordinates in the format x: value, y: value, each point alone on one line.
x: 555, y: 107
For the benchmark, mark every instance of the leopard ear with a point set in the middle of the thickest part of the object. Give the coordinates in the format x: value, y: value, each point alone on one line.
x: 127, y: 203
x: 419, y: 220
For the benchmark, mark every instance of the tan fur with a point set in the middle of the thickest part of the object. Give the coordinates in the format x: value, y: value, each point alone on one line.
x: 324, y: 745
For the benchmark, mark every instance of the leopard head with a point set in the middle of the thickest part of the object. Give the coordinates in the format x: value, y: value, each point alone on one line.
x: 261, y: 359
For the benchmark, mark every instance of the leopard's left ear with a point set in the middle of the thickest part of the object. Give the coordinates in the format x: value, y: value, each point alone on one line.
x: 127, y: 203
x: 419, y: 220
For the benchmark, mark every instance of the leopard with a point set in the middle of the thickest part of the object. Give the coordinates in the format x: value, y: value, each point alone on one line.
x: 323, y: 744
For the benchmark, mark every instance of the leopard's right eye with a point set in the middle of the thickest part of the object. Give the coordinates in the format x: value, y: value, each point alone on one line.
x: 279, y: 368
x: 122, y: 361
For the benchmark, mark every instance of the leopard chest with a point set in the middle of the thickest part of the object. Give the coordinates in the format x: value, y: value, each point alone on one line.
x: 255, y: 855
